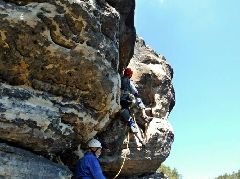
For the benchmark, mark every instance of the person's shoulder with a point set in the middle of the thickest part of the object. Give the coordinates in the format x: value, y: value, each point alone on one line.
x: 125, y: 78
x: 89, y: 155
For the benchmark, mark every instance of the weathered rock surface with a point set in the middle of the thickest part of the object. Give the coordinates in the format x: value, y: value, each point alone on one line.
x: 127, y: 32
x: 153, y: 77
x: 59, y: 83
x: 16, y: 163
x: 43, y: 122
x: 63, y: 48
x: 140, y: 159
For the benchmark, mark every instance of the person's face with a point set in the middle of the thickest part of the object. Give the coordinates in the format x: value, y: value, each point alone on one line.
x: 98, y: 152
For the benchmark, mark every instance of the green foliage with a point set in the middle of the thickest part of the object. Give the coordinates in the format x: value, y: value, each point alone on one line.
x: 230, y: 176
x: 171, y: 173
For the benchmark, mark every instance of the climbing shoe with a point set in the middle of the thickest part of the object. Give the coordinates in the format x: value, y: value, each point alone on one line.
x: 133, y: 129
x: 132, y: 125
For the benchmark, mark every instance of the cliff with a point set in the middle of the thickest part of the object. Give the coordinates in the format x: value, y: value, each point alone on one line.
x: 60, y: 66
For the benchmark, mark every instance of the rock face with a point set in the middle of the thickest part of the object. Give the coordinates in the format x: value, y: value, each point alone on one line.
x: 153, y: 76
x: 60, y: 66
x: 127, y: 32
x: 140, y: 159
x: 63, y: 48
x: 49, y: 123
x: 18, y: 163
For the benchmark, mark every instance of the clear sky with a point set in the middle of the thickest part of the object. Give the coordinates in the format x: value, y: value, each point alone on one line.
x: 201, y: 41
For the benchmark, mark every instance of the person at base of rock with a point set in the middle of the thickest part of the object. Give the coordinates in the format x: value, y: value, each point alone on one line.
x: 88, y: 166
x: 130, y: 96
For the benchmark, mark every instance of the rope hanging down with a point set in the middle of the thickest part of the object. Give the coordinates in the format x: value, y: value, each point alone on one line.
x: 124, y: 159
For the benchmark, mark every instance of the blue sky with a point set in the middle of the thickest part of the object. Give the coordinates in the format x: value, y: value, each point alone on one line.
x: 201, y: 41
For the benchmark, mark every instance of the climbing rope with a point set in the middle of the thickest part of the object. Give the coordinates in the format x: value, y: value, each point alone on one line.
x: 124, y: 159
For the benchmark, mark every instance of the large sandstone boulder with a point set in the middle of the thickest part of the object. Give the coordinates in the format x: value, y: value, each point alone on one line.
x: 16, y: 163
x: 60, y: 84
x: 139, y: 159
x: 152, y: 75
x: 43, y: 122
x: 63, y: 48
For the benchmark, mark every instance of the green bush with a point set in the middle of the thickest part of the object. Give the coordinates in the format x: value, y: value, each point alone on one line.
x: 230, y: 176
x: 171, y: 173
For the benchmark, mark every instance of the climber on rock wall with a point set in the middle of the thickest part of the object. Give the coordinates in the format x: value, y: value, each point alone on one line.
x: 130, y: 97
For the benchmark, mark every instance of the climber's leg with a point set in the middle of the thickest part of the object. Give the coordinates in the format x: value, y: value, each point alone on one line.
x: 125, y: 113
